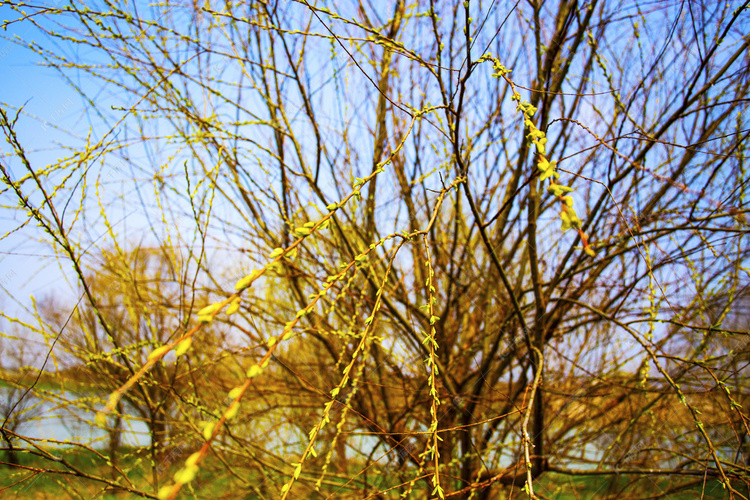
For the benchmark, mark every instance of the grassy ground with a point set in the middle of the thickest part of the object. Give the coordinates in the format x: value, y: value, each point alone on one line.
x: 36, y: 480
x: 36, y: 477
x: 562, y: 487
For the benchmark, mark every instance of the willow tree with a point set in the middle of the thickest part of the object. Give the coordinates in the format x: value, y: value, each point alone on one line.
x: 469, y: 248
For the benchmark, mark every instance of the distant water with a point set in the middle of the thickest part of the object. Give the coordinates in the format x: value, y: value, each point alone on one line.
x: 68, y: 416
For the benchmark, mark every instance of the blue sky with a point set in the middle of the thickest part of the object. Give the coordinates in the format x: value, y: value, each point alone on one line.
x: 28, y: 265
x: 51, y: 125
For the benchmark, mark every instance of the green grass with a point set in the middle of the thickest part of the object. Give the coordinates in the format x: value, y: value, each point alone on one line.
x: 30, y: 483
x: 37, y: 477
x: 585, y: 487
x: 26, y: 482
